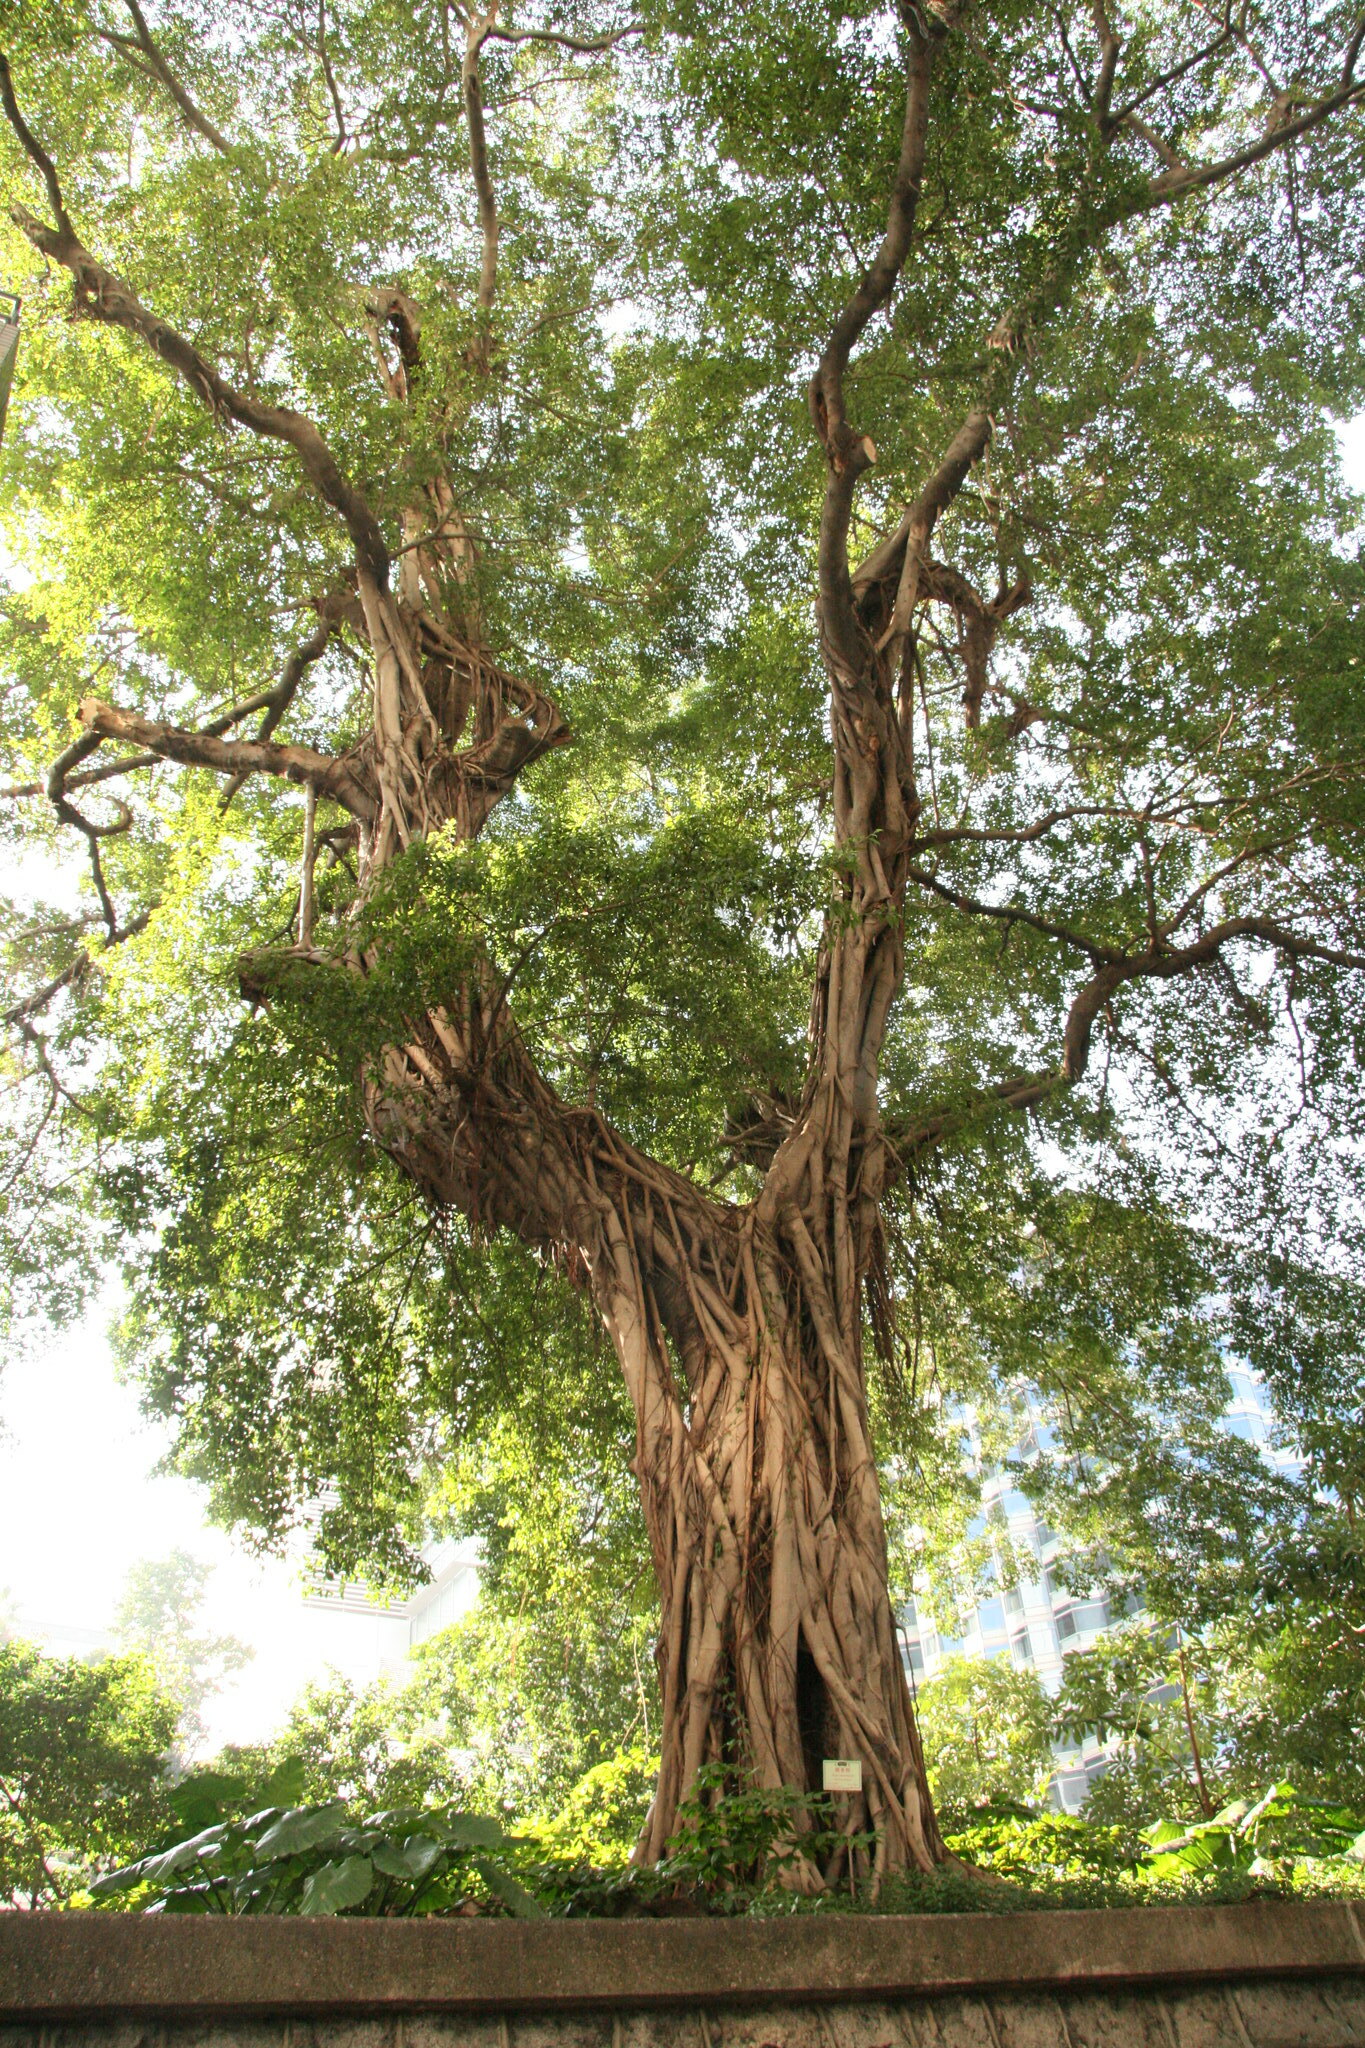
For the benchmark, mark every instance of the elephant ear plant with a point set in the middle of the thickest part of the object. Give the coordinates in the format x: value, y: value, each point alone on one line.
x: 320, y: 1860
x: 1262, y: 1837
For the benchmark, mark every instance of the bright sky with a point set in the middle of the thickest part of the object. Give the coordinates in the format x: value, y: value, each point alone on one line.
x: 81, y: 1502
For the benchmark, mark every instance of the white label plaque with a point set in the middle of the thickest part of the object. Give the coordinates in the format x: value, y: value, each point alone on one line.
x: 843, y: 1774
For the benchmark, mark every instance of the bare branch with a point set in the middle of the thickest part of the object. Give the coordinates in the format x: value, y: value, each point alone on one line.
x: 907, y: 1136
x: 69, y: 815
x: 1082, y: 82
x: 75, y: 971
x: 33, y: 148
x: 102, y: 296
x: 1254, y: 850
x: 1350, y: 59
x: 849, y: 454
x: 583, y: 46
x: 337, y: 778
x: 1171, y: 77
x: 277, y: 701
x: 329, y: 76
x: 159, y: 69
x: 310, y: 813
x: 1170, y: 157
x: 1169, y: 964
x: 129, y: 762
x: 1110, y: 45
x: 1174, y: 184
x: 1013, y: 913
x: 475, y: 36
x: 965, y: 448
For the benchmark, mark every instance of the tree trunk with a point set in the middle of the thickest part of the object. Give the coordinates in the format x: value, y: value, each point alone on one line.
x: 739, y: 1331
x: 740, y: 1335
x: 760, y: 1493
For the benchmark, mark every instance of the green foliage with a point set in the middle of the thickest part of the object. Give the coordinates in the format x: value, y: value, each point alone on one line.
x: 987, y: 1731
x: 318, y: 1860
x: 1269, y: 1836
x: 1291, y: 1694
x: 525, y: 1708
x: 628, y: 438
x: 600, y: 1821
x: 1027, y: 1846
x: 735, y: 1852
x: 83, y: 1768
x: 732, y: 1841
x: 155, y: 1619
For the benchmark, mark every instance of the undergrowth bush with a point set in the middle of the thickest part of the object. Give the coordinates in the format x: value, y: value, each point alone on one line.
x: 737, y: 1850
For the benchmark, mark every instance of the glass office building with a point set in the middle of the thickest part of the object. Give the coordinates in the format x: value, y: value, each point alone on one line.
x: 1037, y: 1624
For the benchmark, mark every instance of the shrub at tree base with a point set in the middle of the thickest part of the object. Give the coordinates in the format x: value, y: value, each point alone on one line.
x: 735, y: 1852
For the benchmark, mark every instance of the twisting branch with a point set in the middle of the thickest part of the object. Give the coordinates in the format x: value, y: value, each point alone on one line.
x: 848, y: 453
x: 276, y: 702
x: 1168, y: 964
x: 159, y: 69
x: 918, y: 520
x: 127, y: 764
x: 71, y: 757
x: 476, y: 34
x: 101, y: 295
x: 334, y: 776
x: 907, y: 1136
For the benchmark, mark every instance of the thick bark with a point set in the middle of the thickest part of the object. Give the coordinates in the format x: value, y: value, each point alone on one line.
x: 757, y: 1474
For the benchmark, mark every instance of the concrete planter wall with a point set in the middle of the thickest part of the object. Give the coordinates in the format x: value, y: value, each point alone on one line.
x: 1266, y: 1975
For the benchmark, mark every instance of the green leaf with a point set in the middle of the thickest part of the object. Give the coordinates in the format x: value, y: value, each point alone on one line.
x: 301, y: 1828
x: 504, y: 1886
x: 203, y: 1797
x: 412, y: 1861
x: 286, y: 1784
x: 157, y: 1869
x: 337, y: 1885
x: 472, y: 1830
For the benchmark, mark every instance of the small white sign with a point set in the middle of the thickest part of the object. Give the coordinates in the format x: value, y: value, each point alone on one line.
x: 843, y: 1774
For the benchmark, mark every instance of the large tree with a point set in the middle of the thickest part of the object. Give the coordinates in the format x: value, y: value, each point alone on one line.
x: 794, y: 555
x: 84, y: 1769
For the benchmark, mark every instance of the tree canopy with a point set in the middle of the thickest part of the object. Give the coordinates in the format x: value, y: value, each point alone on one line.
x: 982, y: 364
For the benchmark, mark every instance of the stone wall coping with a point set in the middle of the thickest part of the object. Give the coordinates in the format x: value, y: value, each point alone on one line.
x: 74, y: 1965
